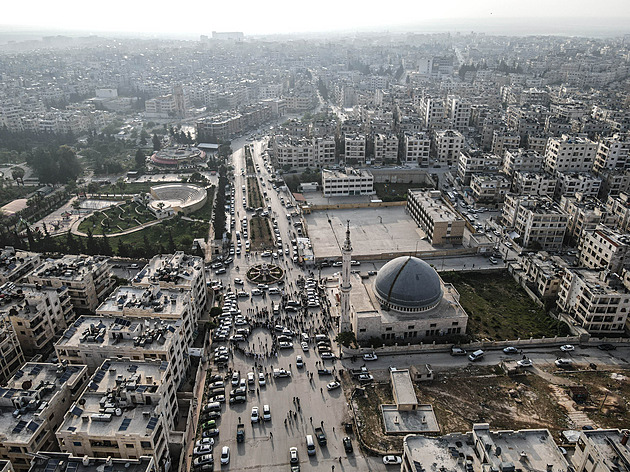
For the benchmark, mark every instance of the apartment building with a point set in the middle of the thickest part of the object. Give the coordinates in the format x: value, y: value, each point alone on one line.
x: 459, y: 111
x: 521, y: 160
x: 502, y: 140
x: 431, y: 213
x: 93, y: 339
x: 614, y: 182
x: 385, y: 147
x: 542, y: 272
x: 613, y: 153
x: 584, y: 183
x: 324, y: 150
x: 355, y: 148
x: 570, y: 154
x: 125, y: 413
x: 15, y: 264
x: 350, y: 181
x: 475, y: 161
x: 597, y: 302
x: 619, y: 207
x: 63, y: 462
x: 33, y: 403
x: 537, y: 143
x: 534, y: 183
x: 11, y: 355
x: 605, y: 248
x: 177, y: 271
x: 417, y: 148
x: 537, y: 220
x: 489, y: 188
x: 498, y: 450
x: 585, y: 214
x: 86, y: 277
x: 601, y: 450
x: 447, y: 146
x: 298, y: 153
x: 432, y: 112
x: 38, y: 314
x: 152, y: 302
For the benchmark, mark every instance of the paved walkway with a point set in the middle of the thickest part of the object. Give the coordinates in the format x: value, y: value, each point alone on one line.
x: 75, y: 229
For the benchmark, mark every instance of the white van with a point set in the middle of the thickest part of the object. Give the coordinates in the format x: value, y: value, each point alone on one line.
x: 310, y: 445
x: 475, y: 355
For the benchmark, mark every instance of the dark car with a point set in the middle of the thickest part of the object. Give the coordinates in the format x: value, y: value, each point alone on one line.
x: 238, y: 399
x: 347, y: 444
x: 606, y: 347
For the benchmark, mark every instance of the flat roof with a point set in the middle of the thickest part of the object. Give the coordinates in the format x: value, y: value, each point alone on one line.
x: 69, y: 267
x: 65, y: 462
x: 145, y: 301
x: 178, y: 270
x: 106, y: 331
x: 402, y: 387
x: 29, y: 392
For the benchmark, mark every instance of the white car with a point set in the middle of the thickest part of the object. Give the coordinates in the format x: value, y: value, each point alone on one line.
x: 527, y: 362
x: 266, y: 413
x: 304, y: 345
x: 225, y: 455
x: 205, y: 442
x: 238, y: 281
x: 261, y: 379
x: 333, y: 385
x: 299, y: 363
x: 392, y: 460
x: 255, y: 416
x: 564, y: 362
x: 567, y: 348
x: 203, y: 449
x: 370, y: 357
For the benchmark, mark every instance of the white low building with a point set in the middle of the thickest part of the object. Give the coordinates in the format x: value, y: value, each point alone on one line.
x: 350, y: 181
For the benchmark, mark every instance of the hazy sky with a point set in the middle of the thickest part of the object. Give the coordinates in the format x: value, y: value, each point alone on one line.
x: 284, y: 16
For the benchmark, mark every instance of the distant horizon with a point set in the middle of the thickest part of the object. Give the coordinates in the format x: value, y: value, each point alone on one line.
x: 575, y: 27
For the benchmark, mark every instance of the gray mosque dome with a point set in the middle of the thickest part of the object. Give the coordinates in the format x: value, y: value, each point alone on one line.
x: 408, y: 284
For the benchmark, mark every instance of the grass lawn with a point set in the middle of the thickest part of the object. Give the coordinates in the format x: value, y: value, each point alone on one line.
x: 260, y: 233
x: 117, y: 219
x: 205, y: 212
x: 183, y: 234
x: 254, y: 197
x: 498, y: 308
x: 394, y: 192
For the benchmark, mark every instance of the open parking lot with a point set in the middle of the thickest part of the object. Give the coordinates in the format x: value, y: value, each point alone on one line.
x: 374, y: 231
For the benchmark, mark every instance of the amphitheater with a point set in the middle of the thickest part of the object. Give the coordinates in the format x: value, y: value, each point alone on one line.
x: 177, y: 198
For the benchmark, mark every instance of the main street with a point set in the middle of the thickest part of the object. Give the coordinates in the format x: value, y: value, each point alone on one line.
x: 267, y: 443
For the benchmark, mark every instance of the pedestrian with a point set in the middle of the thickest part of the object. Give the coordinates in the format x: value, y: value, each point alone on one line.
x: 340, y: 459
x: 270, y: 435
x: 322, y: 423
x: 321, y: 390
x: 310, y: 418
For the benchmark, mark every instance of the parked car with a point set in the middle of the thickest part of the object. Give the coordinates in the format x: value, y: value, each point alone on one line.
x: 203, y: 449
x: 606, y: 347
x: 347, y: 444
x: 563, y: 363
x: 457, y: 351
x: 392, y: 460
x: 255, y: 415
x: 203, y: 460
x: 225, y: 455
x: 527, y: 362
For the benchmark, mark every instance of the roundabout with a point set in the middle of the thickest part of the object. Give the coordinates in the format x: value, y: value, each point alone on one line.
x: 265, y: 273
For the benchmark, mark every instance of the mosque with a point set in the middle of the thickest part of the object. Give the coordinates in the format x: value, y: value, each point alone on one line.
x: 406, y: 302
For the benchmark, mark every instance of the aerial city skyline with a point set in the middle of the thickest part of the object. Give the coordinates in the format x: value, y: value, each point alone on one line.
x: 260, y: 237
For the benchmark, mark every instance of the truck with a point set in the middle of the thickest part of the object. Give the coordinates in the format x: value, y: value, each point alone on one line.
x: 240, y: 432
x: 321, y: 436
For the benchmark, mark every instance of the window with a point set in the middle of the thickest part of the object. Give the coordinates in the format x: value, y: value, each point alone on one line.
x: 129, y: 446
x: 77, y: 443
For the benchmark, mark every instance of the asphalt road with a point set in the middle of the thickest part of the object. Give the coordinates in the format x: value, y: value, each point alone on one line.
x: 267, y: 444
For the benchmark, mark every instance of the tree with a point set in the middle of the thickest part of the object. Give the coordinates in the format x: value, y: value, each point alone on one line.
x: 157, y: 144
x: 346, y: 338
x: 140, y: 159
x: 17, y: 173
x: 144, y: 136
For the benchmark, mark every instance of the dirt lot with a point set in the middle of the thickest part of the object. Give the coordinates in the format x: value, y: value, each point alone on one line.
x: 462, y: 397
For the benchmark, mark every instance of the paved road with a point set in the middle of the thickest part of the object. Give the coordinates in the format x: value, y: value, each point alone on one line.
x: 260, y: 451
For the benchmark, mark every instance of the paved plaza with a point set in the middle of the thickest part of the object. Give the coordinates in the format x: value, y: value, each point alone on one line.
x: 375, y: 231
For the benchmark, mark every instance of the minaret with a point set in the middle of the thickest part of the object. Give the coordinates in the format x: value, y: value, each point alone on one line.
x: 346, y: 255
